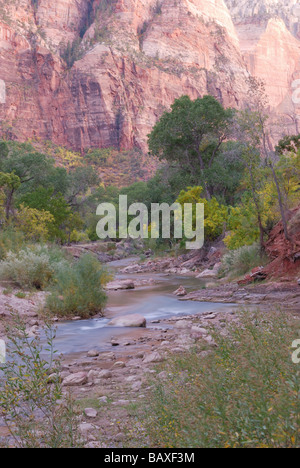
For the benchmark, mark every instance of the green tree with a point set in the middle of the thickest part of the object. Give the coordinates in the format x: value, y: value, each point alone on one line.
x: 9, y: 183
x: 191, y: 135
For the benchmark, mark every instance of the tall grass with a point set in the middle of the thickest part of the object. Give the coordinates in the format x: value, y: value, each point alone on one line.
x: 244, y: 394
x: 32, y: 404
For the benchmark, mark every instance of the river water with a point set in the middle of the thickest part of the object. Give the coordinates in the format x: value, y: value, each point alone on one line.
x: 153, y: 301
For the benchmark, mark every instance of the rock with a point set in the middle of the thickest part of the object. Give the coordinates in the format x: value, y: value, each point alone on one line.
x: 107, y: 356
x: 120, y: 285
x: 34, y: 323
x: 183, y: 324
x: 134, y: 320
x: 119, y: 365
x: 93, y: 353
x: 153, y: 357
x: 207, y: 274
x: 93, y: 375
x: 32, y: 332
x: 180, y: 292
x: 105, y: 374
x: 90, y: 413
x: 85, y: 428
x: 53, y: 378
x: 75, y: 380
x: 200, y: 330
x: 103, y: 399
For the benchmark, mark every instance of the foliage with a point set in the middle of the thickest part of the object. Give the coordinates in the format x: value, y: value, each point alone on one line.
x: 34, y: 223
x: 243, y: 394
x: 32, y: 267
x: 10, y: 241
x: 215, y: 215
x: 192, y: 135
x: 32, y: 405
x: 44, y: 199
x: 242, y: 225
x: 72, y: 52
x: 288, y: 144
x: 241, y: 261
x: 78, y: 289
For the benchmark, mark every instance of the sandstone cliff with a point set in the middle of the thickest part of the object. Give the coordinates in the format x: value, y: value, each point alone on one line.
x: 126, y: 62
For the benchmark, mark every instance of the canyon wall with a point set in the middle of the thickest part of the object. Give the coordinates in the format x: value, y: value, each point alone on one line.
x: 99, y: 73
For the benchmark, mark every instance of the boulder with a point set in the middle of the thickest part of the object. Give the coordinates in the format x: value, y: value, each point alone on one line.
x: 207, y: 274
x: 90, y: 413
x: 153, y: 357
x: 105, y: 374
x: 73, y: 380
x: 120, y: 285
x: 133, y: 320
x: 180, y: 292
x: 183, y: 324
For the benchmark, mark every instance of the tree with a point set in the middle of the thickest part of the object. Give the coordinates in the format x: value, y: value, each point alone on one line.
x: 247, y: 133
x: 34, y: 223
x: 9, y: 183
x: 259, y: 103
x: 191, y: 135
x: 215, y: 215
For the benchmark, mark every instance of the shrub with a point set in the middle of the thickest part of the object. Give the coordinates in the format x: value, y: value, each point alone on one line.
x: 34, y: 223
x: 31, y: 402
x: 10, y: 241
x: 72, y: 52
x: 32, y: 267
x: 78, y: 289
x: 243, y: 394
x: 241, y: 261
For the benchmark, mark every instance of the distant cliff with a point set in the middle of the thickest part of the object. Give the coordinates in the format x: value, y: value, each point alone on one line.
x: 90, y: 73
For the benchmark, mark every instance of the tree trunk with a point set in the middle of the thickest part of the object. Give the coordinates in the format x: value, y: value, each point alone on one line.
x: 9, y: 203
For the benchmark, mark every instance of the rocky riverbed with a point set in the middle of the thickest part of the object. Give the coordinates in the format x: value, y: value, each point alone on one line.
x: 108, y: 384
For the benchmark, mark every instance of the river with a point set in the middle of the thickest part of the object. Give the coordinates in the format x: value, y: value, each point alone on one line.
x: 153, y: 301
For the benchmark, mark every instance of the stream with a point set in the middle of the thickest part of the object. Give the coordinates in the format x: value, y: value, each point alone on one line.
x: 153, y: 301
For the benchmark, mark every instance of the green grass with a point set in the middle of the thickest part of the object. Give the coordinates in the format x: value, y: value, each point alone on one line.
x: 20, y: 295
x: 245, y: 393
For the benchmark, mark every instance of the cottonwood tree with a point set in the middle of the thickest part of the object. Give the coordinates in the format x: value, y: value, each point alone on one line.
x: 191, y: 135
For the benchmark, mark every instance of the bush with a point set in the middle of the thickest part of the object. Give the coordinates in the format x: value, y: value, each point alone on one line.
x: 31, y: 402
x: 11, y: 241
x: 34, y: 223
x: 78, y: 289
x: 32, y: 267
x: 244, y: 394
x: 241, y: 261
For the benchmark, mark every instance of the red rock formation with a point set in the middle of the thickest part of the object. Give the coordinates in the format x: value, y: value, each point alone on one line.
x: 139, y: 55
x: 285, y: 254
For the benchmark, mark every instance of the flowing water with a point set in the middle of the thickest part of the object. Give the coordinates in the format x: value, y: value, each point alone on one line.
x: 153, y: 301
